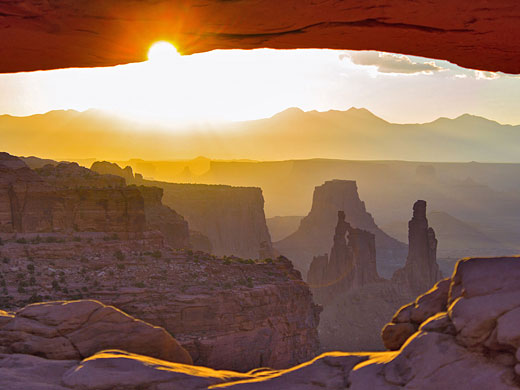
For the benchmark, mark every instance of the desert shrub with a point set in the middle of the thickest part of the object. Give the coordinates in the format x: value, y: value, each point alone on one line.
x: 6, y: 260
x: 1, y: 241
x: 21, y: 241
x: 140, y: 285
x: 121, y: 266
x: 56, y: 285
x: 156, y: 254
x: 30, y: 268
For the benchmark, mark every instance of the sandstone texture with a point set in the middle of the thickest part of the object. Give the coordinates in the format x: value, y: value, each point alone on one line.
x: 48, y: 35
x: 65, y: 198
x: 313, y: 235
x: 226, y: 312
x: 470, y: 344
x: 67, y: 330
x: 159, y: 217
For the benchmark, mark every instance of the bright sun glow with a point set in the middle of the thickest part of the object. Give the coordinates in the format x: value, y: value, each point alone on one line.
x: 163, y: 51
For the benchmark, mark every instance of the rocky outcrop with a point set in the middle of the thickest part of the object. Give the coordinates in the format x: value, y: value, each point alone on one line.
x: 313, y: 235
x: 350, y: 266
x: 421, y: 269
x: 228, y: 313
x: 159, y: 217
x: 78, y: 329
x: 108, y: 168
x: 231, y: 217
x: 471, y: 344
x: 349, y: 276
x: 479, y: 35
x: 66, y: 198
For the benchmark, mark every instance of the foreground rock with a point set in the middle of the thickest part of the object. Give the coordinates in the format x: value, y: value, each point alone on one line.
x: 471, y: 344
x: 78, y: 329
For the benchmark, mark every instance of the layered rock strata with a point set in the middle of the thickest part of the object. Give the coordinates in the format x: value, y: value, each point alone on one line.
x: 66, y: 330
x: 226, y: 312
x: 472, y: 343
x: 225, y: 220
x: 313, y: 235
x: 66, y: 198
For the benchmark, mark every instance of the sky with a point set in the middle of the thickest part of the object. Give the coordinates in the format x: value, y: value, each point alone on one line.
x: 224, y: 85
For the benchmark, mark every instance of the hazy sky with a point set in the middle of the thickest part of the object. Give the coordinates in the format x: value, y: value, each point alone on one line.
x: 241, y: 85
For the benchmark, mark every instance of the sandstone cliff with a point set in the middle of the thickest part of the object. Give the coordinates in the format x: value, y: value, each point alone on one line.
x: 317, y: 227
x: 225, y: 220
x: 226, y: 312
x: 231, y: 217
x: 66, y: 198
x: 159, y: 217
x: 350, y: 266
x: 467, y: 338
x: 349, y: 276
x: 421, y: 269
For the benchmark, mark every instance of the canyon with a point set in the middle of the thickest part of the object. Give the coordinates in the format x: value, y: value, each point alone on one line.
x: 81, y: 234
x: 315, y: 230
x: 232, y: 218
x: 356, y: 300
x: 466, y: 338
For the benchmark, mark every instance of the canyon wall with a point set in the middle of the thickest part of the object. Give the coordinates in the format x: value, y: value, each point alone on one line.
x: 66, y: 198
x: 349, y: 276
x: 313, y: 235
x: 466, y: 337
x: 228, y: 313
x: 225, y: 220
x: 231, y: 217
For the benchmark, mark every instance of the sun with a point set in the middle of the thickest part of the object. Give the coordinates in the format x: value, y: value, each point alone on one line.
x: 163, y: 51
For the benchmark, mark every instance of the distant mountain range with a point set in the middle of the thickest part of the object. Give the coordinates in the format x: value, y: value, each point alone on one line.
x: 354, y: 134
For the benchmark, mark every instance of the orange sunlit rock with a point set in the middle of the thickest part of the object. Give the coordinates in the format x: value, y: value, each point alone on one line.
x: 47, y: 35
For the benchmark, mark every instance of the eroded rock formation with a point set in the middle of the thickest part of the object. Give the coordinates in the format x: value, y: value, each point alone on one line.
x: 421, y: 269
x: 231, y: 217
x: 108, y: 168
x: 313, y: 235
x: 65, y: 330
x: 350, y: 266
x: 467, y: 339
x: 45, y: 35
x: 172, y: 225
x: 228, y: 313
x: 349, y: 276
x: 66, y: 198
x: 225, y: 220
